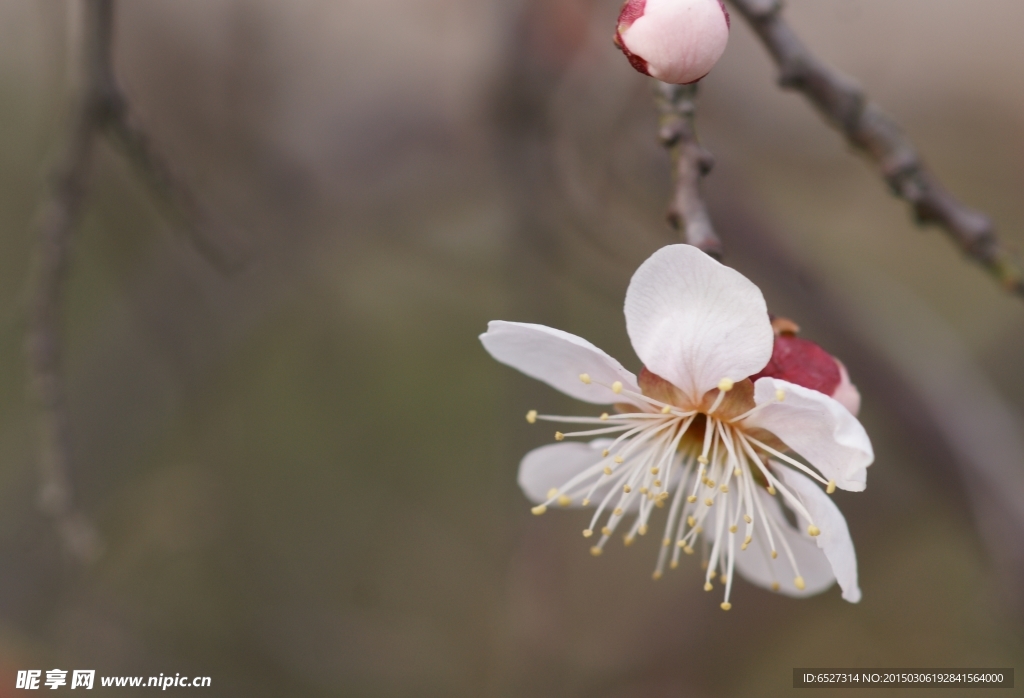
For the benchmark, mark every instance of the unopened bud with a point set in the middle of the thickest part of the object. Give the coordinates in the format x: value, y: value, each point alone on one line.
x: 675, y: 41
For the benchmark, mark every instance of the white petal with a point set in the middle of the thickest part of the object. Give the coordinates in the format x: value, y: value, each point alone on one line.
x: 694, y: 321
x: 757, y: 566
x: 834, y: 539
x: 558, y: 358
x: 551, y: 466
x: 818, y: 428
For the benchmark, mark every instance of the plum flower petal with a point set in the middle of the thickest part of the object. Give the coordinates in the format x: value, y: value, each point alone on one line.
x: 694, y: 321
x: 545, y: 472
x: 834, y: 539
x: 559, y: 359
x: 817, y: 427
x: 759, y: 567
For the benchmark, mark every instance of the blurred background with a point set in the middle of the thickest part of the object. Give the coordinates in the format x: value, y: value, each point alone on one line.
x: 304, y: 475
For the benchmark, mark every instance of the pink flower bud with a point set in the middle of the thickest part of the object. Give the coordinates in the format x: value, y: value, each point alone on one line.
x: 803, y: 362
x: 675, y: 41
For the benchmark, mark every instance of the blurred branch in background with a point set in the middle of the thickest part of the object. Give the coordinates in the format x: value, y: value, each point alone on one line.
x: 690, y: 162
x: 99, y: 108
x: 867, y: 129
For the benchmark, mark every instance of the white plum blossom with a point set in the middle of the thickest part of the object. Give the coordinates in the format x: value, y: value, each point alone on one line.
x: 675, y: 41
x: 730, y: 424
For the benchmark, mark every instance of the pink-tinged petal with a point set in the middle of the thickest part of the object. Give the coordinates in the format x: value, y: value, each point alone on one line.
x: 694, y: 321
x: 676, y: 41
x: 552, y: 466
x: 834, y: 539
x: 846, y: 393
x: 816, y: 427
x: 757, y: 566
x: 558, y: 358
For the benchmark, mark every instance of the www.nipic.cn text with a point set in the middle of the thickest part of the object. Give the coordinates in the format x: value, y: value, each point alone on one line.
x: 33, y: 679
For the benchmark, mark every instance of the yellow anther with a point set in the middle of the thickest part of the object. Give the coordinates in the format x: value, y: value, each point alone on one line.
x: 666, y: 409
x: 780, y: 394
x: 831, y: 486
x: 644, y: 490
x: 539, y: 509
x: 713, y: 574
x: 604, y: 416
x: 746, y: 517
x: 596, y: 551
x: 604, y: 453
x: 587, y: 533
x: 775, y: 554
x: 813, y: 530
x: 744, y: 546
x: 559, y: 436
x: 704, y: 480
x: 531, y: 416
x: 617, y: 387
x: 657, y: 483
x: 627, y: 489
x: 673, y: 564
x: 771, y: 490
x: 775, y: 586
x: 628, y: 540
x: 656, y: 576
x: 642, y: 530
x: 585, y: 378
x: 707, y: 586
x: 732, y: 529
x: 607, y: 470
x: 552, y: 493
x: 564, y: 500
x: 688, y: 550
x: 709, y: 501
x: 710, y: 483
x: 799, y: 583
x: 692, y: 498
x: 703, y: 564
x: 666, y: 542
x: 655, y: 471
x: 660, y: 503
x: 585, y: 502
x: 606, y: 531
x: 617, y: 512
x: 692, y: 521
x: 618, y: 459
x: 699, y: 529
x: 736, y: 472
x: 726, y: 605
x: 726, y: 384
x: 747, y: 540
x: 725, y: 489
x: 702, y: 459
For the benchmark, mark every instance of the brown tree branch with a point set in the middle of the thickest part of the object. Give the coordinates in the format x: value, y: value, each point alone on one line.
x: 869, y: 130
x: 690, y: 162
x: 99, y: 108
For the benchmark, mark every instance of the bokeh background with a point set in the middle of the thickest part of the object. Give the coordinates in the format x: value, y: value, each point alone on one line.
x: 303, y: 475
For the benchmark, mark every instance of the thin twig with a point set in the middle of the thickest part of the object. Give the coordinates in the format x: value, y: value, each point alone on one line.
x: 43, y: 345
x: 690, y: 162
x: 846, y: 107
x: 99, y: 108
